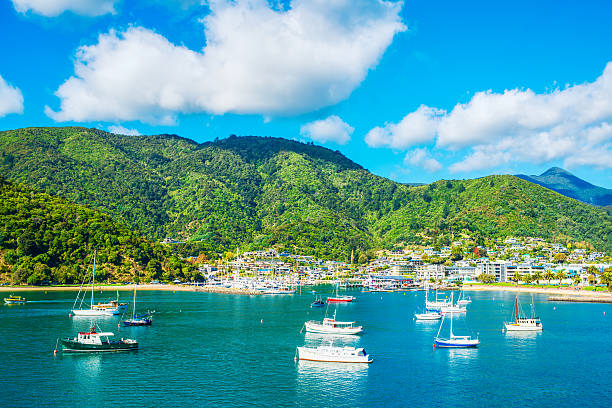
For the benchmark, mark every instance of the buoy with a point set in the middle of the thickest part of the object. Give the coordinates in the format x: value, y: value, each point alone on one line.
x: 502, y: 330
x: 119, y: 325
x: 69, y: 314
x: 434, y: 345
x: 554, y: 307
x: 54, y: 352
x: 261, y: 321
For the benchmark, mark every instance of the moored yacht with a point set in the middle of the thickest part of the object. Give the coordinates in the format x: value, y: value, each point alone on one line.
x: 428, y: 315
x: 94, y: 341
x: 522, y: 322
x: 110, y: 308
x: 332, y: 326
x: 453, y: 340
x: 334, y: 354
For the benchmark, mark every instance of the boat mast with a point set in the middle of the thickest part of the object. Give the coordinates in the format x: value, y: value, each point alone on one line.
x: 516, y: 308
x: 134, y: 310
x: 93, y: 279
x: 531, y: 306
x: 451, y: 326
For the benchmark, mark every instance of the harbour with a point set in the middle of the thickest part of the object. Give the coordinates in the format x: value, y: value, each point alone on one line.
x: 214, y: 348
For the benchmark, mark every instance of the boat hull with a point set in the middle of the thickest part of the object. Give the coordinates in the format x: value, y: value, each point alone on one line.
x: 340, y: 299
x: 94, y: 312
x: 325, y: 329
x: 428, y: 316
x: 71, y: 346
x: 14, y: 302
x: 308, y: 354
x: 138, y: 322
x: 522, y: 327
x: 450, y: 343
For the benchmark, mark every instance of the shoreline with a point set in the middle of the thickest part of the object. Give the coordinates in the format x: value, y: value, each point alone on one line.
x: 569, y: 291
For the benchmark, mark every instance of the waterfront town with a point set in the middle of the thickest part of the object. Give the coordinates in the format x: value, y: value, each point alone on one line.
x: 517, y: 260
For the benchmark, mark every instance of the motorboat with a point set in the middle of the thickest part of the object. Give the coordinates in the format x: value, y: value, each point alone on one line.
x: 334, y: 354
x: 15, y: 300
x: 94, y: 341
x: 428, y: 315
x: 332, y: 326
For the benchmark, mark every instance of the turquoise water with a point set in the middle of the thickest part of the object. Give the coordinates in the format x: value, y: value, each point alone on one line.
x: 226, y: 350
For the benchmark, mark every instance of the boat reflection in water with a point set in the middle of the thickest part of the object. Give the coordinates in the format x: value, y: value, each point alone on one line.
x: 326, y: 384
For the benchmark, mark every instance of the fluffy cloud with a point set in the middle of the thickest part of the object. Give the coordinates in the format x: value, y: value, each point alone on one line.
x: 422, y: 158
x: 571, y: 124
x: 332, y: 129
x: 415, y: 128
x: 11, y: 99
x: 120, y: 130
x: 52, y: 8
x: 257, y: 60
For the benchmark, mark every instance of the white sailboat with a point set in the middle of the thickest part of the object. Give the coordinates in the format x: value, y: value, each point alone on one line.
x: 454, y: 341
x: 113, y: 307
x: 462, y: 301
x: 429, y: 314
x: 522, y: 322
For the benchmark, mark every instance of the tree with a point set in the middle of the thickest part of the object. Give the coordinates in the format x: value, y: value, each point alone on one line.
x: 456, y: 253
x: 537, y: 276
x: 486, y: 278
x: 548, y: 275
x: 516, y: 277
x: 560, y: 258
x: 577, y: 279
x: 527, y: 278
x: 606, y: 277
x: 561, y: 275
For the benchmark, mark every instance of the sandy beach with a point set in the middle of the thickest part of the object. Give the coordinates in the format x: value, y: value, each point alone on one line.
x: 567, y: 291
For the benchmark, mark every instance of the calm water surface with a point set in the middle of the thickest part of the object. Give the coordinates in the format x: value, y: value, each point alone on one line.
x: 212, y: 349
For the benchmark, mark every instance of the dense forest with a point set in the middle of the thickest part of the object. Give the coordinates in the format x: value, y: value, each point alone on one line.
x: 44, y: 238
x: 257, y: 192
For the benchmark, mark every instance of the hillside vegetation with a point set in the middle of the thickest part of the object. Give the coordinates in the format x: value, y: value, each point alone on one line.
x: 256, y: 192
x: 44, y: 238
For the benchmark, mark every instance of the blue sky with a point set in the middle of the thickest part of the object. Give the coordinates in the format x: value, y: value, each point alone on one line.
x: 415, y: 91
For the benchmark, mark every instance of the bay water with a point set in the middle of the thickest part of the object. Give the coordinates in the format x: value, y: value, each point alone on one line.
x: 208, y: 349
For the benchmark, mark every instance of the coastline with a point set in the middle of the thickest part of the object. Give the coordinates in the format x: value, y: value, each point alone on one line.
x: 569, y: 291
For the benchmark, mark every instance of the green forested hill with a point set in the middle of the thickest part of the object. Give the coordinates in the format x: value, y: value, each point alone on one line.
x: 256, y: 192
x: 44, y: 238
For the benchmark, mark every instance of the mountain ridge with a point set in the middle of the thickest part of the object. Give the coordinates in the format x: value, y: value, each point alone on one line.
x: 258, y: 192
x: 567, y: 184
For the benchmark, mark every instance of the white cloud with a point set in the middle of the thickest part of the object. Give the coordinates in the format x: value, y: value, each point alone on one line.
x: 120, y: 130
x: 572, y: 125
x: 53, y: 8
x: 332, y: 129
x: 416, y: 127
x: 11, y: 99
x: 257, y: 60
x: 422, y: 158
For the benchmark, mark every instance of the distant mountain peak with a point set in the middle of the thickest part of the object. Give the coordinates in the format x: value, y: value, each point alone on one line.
x: 555, y: 171
x: 567, y: 184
